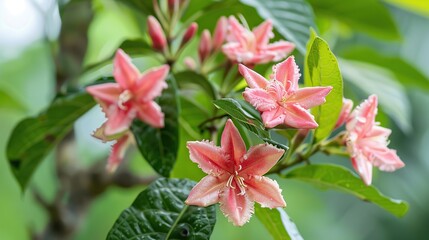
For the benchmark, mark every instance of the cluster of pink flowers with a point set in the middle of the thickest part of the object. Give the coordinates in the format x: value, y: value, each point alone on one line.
x: 235, y: 176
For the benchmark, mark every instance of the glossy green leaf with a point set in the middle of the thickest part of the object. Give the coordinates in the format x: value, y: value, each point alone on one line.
x: 369, y: 16
x: 372, y: 79
x: 236, y: 111
x: 159, y: 146
x: 404, y: 72
x: 33, y: 138
x: 321, y: 69
x: 278, y: 223
x: 340, y: 178
x: 159, y: 212
x: 292, y: 18
x: 189, y: 77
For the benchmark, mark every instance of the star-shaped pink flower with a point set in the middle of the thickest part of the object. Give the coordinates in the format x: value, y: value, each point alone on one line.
x: 253, y: 47
x: 367, y: 142
x: 280, y: 100
x: 132, y: 96
x: 235, y: 177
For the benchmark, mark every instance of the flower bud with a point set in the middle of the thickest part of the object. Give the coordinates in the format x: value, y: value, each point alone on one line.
x: 190, y: 63
x: 189, y: 34
x: 345, y: 112
x: 205, y: 46
x: 220, y: 33
x: 156, y: 34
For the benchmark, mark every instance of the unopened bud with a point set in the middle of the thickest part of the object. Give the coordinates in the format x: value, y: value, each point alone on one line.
x: 190, y: 63
x: 220, y: 33
x: 345, y: 112
x: 205, y: 46
x: 189, y: 34
x: 156, y: 33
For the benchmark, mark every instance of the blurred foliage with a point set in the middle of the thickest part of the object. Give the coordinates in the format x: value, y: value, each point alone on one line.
x: 384, y: 41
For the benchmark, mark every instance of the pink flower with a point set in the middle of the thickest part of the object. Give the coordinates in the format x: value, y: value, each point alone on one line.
x: 280, y: 100
x: 252, y: 47
x: 132, y: 96
x: 235, y: 177
x: 367, y: 142
x: 345, y: 112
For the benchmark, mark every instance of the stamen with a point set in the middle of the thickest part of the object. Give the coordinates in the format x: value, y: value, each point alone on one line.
x: 124, y: 97
x: 229, y: 182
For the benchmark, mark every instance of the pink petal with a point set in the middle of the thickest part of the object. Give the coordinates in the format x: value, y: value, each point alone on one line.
x: 108, y: 93
x: 118, y: 152
x: 362, y: 118
x: 363, y: 167
x: 232, y: 51
x: 118, y: 121
x: 150, y: 113
x: 124, y: 71
x: 259, y: 159
x: 378, y: 132
x: 207, y: 191
x: 237, y: 33
x: 253, y: 79
x: 298, y: 117
x: 387, y: 160
x: 263, y: 33
x: 279, y: 49
x: 273, y: 117
x: 260, y: 99
x: 310, y: 97
x: 151, y: 83
x: 287, y: 72
x: 232, y: 143
x: 265, y: 191
x: 236, y: 207
x: 209, y: 157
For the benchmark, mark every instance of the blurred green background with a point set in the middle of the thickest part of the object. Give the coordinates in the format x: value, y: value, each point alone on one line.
x: 29, y: 29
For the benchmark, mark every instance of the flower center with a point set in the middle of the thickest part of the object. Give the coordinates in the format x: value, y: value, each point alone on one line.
x: 239, y: 181
x: 124, y: 97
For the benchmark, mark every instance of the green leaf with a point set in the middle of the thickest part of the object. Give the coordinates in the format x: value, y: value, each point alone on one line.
x: 9, y: 101
x: 380, y: 81
x: 34, y: 137
x: 278, y: 223
x: 236, y: 111
x: 340, y: 178
x: 142, y: 6
x: 159, y: 146
x: 404, y: 72
x: 159, y: 212
x: 417, y: 6
x: 369, y: 16
x: 292, y: 18
x: 190, y: 77
x: 321, y: 69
